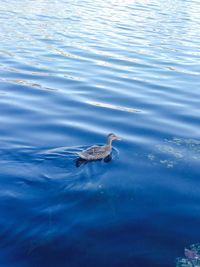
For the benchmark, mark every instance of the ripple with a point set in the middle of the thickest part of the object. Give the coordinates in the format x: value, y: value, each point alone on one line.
x: 111, y: 106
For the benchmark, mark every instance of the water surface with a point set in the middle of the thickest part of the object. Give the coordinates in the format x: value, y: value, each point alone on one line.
x: 70, y: 73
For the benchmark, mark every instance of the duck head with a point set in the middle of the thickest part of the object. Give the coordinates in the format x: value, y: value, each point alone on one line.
x: 112, y: 137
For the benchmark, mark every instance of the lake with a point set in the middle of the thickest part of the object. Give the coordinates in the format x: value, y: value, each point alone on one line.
x: 71, y: 72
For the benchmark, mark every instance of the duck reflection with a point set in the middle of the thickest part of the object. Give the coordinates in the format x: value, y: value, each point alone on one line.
x: 79, y: 161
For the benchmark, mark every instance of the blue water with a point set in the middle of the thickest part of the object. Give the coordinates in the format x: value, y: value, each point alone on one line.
x: 70, y: 73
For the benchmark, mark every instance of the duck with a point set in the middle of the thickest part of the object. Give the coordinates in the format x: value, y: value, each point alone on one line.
x: 99, y: 152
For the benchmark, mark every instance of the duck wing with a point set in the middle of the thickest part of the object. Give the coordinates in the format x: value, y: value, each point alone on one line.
x: 92, y: 150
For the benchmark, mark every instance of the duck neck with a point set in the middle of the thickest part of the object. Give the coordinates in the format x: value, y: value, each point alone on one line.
x: 109, y: 142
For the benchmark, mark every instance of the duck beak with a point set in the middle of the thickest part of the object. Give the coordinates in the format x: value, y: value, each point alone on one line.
x: 118, y: 138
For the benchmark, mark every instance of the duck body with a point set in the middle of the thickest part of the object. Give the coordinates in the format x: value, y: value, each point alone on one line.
x: 95, y: 152
x: 99, y: 152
